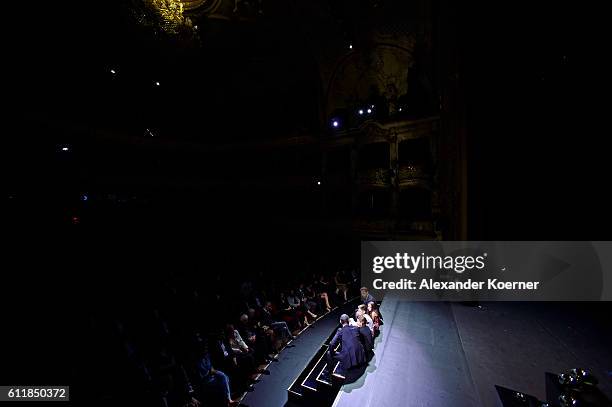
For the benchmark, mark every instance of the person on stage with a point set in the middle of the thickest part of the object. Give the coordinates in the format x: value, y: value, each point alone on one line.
x: 366, y: 337
x: 366, y: 297
x: 351, y: 352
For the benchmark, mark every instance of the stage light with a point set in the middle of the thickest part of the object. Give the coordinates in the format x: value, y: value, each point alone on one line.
x: 113, y: 71
x: 335, y: 123
x: 156, y: 83
x: 360, y: 111
x: 369, y: 111
x: 65, y: 149
x: 400, y: 109
x: 350, y: 46
x: 318, y: 182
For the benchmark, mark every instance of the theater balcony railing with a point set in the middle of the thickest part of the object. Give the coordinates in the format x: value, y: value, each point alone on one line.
x: 413, y: 175
x: 365, y: 224
x: 425, y: 227
x: 394, y: 228
x: 376, y: 177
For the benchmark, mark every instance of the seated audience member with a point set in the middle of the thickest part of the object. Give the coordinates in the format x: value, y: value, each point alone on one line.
x: 310, y: 306
x: 351, y: 352
x: 235, y: 340
x: 341, y: 286
x: 377, y: 321
x: 321, y: 290
x: 366, y: 297
x: 314, y: 294
x: 292, y: 315
x: 221, y: 355
x: 214, y: 385
x: 264, y: 331
x: 366, y: 336
x: 254, y: 339
x: 280, y: 328
x: 361, y: 312
x: 323, y: 283
x: 373, y: 307
x: 242, y: 353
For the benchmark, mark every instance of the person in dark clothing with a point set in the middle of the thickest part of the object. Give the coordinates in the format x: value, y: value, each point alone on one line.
x: 351, y: 353
x: 366, y: 297
x: 255, y: 338
x: 280, y: 328
x: 214, y: 384
x: 366, y: 337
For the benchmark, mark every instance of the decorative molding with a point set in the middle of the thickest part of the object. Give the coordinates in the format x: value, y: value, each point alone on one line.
x: 414, y: 176
x: 200, y: 7
x: 378, y: 177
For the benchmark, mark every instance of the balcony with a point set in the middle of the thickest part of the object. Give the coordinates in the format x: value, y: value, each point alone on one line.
x: 388, y: 227
x: 414, y: 175
x: 376, y: 177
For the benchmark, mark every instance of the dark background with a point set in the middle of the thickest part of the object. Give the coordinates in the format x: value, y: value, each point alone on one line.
x: 538, y: 166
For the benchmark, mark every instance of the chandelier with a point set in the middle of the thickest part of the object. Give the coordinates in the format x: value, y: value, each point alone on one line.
x: 170, y: 13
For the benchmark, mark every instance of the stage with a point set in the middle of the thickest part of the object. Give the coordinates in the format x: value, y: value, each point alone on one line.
x: 451, y: 354
x: 442, y: 354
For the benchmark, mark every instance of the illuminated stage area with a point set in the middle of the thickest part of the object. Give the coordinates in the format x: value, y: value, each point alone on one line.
x: 441, y: 354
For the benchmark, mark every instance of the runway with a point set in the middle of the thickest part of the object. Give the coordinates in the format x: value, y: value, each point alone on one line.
x: 443, y: 354
x: 419, y: 361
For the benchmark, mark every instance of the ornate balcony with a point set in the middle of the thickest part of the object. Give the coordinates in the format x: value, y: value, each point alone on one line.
x: 377, y: 177
x: 413, y: 175
x: 419, y: 226
x: 372, y: 225
x: 392, y: 228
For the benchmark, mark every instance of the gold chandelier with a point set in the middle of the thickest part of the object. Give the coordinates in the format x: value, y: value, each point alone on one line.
x: 171, y: 14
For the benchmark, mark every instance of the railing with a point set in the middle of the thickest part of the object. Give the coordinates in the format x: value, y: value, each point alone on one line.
x: 378, y: 177
x: 413, y: 175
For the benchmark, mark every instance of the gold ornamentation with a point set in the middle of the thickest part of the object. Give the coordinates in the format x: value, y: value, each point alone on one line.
x: 171, y: 13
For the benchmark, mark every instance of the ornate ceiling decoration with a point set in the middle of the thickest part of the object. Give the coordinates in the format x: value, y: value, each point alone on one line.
x: 378, y: 71
x: 172, y: 16
x: 200, y: 7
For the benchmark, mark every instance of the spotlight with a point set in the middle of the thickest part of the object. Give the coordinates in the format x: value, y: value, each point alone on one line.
x: 335, y: 124
x: 350, y: 46
x: 360, y: 111
x: 65, y: 149
x: 369, y: 111
x: 156, y: 83
x: 113, y: 71
x: 400, y: 109
x: 318, y: 182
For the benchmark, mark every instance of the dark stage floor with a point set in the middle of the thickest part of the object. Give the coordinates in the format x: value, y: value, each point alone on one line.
x: 440, y: 354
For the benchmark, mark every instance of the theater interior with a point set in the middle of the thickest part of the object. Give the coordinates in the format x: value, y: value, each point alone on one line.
x: 172, y: 165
